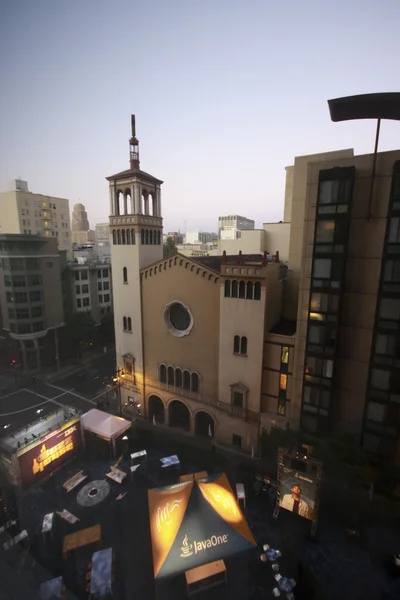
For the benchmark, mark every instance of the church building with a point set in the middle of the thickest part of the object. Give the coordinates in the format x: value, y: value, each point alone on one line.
x: 190, y: 332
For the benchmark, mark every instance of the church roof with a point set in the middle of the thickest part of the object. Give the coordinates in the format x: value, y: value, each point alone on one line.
x: 215, y: 262
x: 134, y: 173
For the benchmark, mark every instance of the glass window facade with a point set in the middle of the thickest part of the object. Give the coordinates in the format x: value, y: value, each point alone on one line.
x: 335, y: 190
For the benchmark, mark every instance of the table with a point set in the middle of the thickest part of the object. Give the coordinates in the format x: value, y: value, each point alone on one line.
x: 201, y: 475
x: 285, y: 584
x: 169, y: 461
x: 15, y: 540
x: 116, y: 475
x: 67, y: 516
x: 101, y: 576
x: 51, y: 589
x: 140, y: 454
x: 240, y: 493
x: 185, y: 478
x: 205, y: 576
x: 74, y: 481
x: 84, y: 537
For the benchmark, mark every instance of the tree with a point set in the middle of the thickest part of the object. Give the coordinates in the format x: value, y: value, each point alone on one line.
x: 169, y: 247
x: 80, y: 328
x: 107, y: 331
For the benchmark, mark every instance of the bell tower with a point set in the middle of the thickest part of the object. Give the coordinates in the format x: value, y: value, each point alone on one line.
x: 136, y: 242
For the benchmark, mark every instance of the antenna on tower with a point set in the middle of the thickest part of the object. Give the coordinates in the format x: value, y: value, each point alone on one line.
x: 133, y: 124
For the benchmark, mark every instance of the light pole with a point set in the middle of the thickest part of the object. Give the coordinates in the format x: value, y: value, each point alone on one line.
x: 117, y: 380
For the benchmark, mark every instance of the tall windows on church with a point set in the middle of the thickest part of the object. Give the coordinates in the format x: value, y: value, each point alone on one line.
x: 127, y: 324
x: 125, y: 275
x: 123, y: 236
x: 180, y: 379
x: 150, y: 237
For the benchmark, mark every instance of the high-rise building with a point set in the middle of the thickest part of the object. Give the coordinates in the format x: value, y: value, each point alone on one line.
x: 343, y: 371
x: 229, y: 227
x: 102, y: 233
x: 81, y: 232
x: 31, y: 304
x: 27, y: 213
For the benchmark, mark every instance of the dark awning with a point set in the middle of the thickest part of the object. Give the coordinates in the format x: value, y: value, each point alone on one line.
x: 195, y: 523
x: 366, y: 106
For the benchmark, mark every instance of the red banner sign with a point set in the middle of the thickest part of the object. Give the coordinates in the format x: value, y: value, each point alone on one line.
x: 50, y: 452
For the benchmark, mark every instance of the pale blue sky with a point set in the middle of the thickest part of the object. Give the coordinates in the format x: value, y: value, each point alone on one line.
x: 225, y: 94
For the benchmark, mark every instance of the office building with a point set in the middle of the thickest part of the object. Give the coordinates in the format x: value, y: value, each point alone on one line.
x: 102, y: 233
x: 229, y: 227
x: 90, y: 287
x: 24, y: 212
x: 81, y: 232
x: 30, y: 300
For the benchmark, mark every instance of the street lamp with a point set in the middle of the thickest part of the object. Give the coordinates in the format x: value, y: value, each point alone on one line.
x: 117, y: 380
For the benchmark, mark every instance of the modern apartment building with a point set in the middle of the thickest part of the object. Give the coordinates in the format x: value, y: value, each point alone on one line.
x: 24, y: 212
x: 335, y: 367
x: 229, y: 227
x: 30, y: 300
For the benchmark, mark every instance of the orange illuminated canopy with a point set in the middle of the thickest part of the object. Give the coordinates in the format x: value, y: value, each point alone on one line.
x: 194, y: 523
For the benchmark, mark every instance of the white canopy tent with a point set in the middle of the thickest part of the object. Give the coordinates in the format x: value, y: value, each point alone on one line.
x: 106, y: 426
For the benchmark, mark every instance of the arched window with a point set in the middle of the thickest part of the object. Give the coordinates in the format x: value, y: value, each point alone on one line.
x: 123, y: 236
x: 234, y: 289
x: 227, y: 289
x: 249, y: 290
x: 128, y: 236
x: 171, y: 376
x: 119, y: 237
x: 133, y: 236
x: 129, y: 324
x: 163, y: 374
x: 242, y: 289
x: 178, y: 378
x: 125, y: 323
x: 125, y: 274
x: 243, y: 345
x: 142, y: 237
x: 195, y: 383
x: 155, y: 237
x: 236, y: 344
x: 146, y: 237
x: 114, y: 237
x: 151, y: 237
x: 186, y: 380
x: 158, y: 238
x: 257, y: 291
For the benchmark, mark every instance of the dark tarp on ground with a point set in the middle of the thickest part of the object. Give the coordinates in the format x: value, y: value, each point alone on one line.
x: 194, y: 523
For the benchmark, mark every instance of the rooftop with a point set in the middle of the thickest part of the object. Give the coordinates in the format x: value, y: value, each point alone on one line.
x: 34, y: 418
x: 215, y: 262
x: 134, y: 173
x: 284, y: 327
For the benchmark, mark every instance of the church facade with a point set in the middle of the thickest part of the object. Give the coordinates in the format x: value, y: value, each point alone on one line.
x: 190, y: 332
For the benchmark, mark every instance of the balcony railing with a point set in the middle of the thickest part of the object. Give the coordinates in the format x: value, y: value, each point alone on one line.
x: 233, y: 411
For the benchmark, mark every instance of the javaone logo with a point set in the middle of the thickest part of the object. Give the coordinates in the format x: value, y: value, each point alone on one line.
x: 214, y: 540
x: 226, y: 500
x: 164, y: 514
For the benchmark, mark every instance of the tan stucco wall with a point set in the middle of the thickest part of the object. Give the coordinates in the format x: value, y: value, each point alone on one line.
x: 199, y: 350
x: 277, y: 239
x: 9, y: 216
x: 252, y: 241
x: 243, y: 318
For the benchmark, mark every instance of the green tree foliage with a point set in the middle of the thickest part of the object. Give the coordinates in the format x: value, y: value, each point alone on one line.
x: 169, y: 247
x: 80, y: 327
x: 107, y: 331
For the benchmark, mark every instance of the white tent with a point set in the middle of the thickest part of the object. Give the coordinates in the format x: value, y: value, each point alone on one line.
x: 109, y: 427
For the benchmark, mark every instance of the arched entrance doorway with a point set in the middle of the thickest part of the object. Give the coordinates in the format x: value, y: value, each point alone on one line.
x: 156, y: 409
x: 179, y: 415
x: 204, y: 424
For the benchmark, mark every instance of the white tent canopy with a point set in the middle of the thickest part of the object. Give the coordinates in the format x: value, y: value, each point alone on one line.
x: 104, y: 425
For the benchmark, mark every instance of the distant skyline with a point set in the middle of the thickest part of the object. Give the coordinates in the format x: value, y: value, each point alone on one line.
x: 225, y: 96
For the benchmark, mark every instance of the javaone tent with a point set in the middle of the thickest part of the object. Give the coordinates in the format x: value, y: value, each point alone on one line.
x: 194, y: 523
